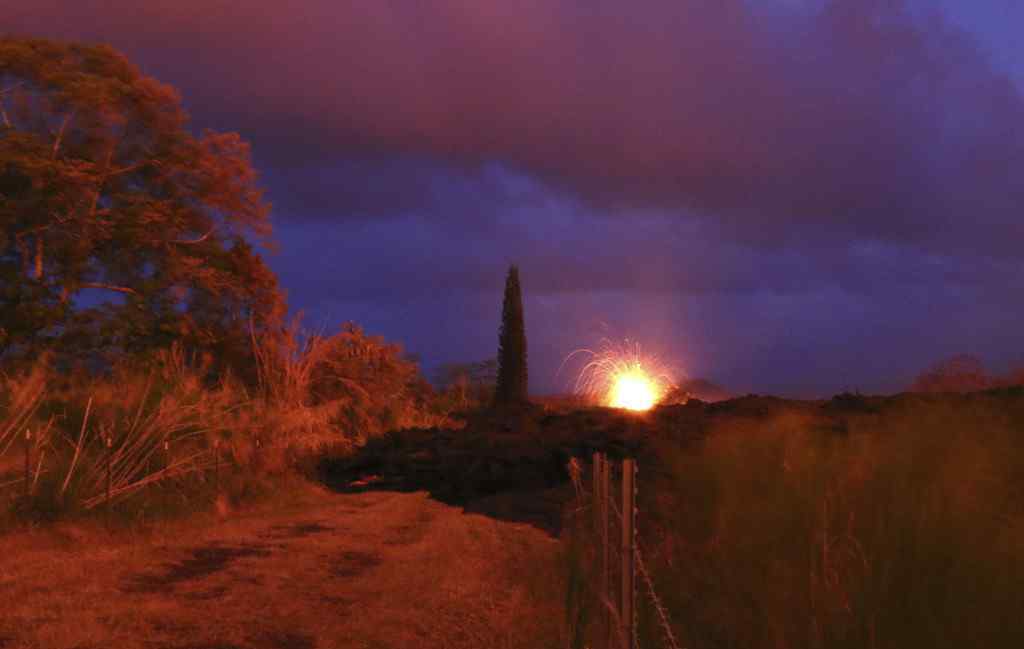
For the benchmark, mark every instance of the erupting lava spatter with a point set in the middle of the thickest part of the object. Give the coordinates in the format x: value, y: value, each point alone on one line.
x: 622, y: 377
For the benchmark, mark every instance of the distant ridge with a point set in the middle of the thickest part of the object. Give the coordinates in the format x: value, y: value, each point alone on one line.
x: 705, y: 390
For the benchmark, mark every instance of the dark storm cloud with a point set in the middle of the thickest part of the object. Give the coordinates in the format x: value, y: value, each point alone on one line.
x: 858, y: 118
x: 799, y: 196
x: 371, y: 188
x: 569, y: 250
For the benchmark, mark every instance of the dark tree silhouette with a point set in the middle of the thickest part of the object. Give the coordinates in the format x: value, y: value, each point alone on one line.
x: 511, y: 388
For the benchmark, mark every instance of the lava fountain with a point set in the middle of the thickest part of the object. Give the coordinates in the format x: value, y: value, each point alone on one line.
x: 633, y: 390
x: 620, y: 376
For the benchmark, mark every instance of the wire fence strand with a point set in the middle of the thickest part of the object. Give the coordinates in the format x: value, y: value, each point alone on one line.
x: 664, y: 622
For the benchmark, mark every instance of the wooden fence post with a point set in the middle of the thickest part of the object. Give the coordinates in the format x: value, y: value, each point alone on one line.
x: 600, y: 513
x: 595, y: 508
x: 606, y: 548
x: 628, y: 593
x: 636, y: 550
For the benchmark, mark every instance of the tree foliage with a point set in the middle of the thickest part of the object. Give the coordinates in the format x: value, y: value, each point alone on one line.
x: 351, y: 358
x: 468, y: 385
x: 379, y: 388
x: 511, y: 385
x: 120, y: 229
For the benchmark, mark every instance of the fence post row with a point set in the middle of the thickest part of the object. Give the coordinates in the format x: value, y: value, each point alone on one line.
x: 636, y: 550
x: 626, y: 601
x: 628, y: 593
x: 598, y: 505
x: 595, y: 489
x: 605, y: 548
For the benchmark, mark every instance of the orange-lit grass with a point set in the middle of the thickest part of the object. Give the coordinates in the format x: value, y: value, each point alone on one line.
x: 907, y: 531
x: 162, y: 424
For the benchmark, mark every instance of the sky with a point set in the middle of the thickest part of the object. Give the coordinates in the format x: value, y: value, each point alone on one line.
x: 791, y: 197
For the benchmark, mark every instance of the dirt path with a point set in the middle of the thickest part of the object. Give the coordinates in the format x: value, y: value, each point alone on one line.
x: 370, y: 570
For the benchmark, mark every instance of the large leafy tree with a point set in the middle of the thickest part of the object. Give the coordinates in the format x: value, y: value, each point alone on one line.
x: 119, y: 228
x: 511, y: 388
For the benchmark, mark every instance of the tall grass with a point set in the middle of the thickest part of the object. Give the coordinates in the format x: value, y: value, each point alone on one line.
x: 21, y: 397
x: 285, y: 413
x: 902, y: 526
x: 128, y: 431
x: 154, y: 431
x: 906, y: 531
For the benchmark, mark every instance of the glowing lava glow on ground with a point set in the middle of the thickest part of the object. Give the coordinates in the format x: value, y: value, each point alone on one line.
x: 619, y: 376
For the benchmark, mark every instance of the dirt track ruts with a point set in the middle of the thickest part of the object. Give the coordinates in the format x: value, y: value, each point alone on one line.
x: 369, y: 570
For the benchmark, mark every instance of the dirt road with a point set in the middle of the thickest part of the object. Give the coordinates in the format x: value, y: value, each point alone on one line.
x: 370, y: 570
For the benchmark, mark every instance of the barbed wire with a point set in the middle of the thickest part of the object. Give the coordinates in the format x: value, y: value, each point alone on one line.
x: 666, y: 625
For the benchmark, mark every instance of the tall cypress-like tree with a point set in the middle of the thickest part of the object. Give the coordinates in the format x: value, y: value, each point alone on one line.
x: 512, y: 375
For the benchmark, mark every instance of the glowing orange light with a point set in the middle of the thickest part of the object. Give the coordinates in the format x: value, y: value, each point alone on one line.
x: 633, y: 391
x: 622, y: 377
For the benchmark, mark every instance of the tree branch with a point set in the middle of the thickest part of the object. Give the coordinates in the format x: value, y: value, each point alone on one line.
x: 99, y: 185
x: 124, y: 170
x: 193, y: 241
x: 107, y: 173
x: 109, y: 287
